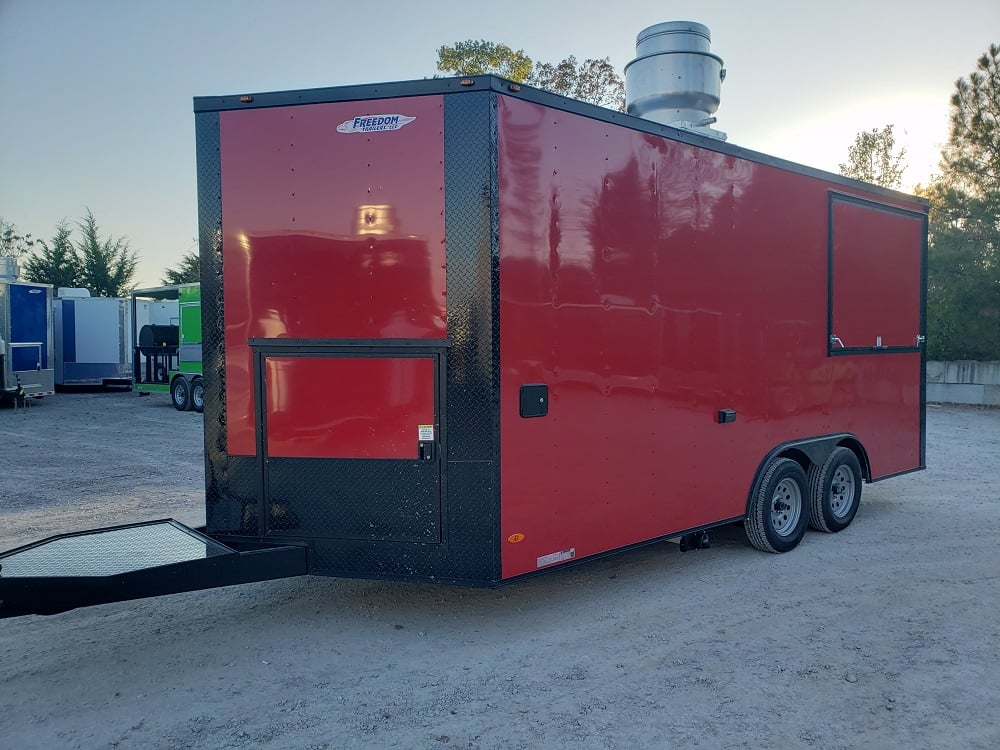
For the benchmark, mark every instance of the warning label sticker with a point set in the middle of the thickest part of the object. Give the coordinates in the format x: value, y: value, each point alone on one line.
x: 425, y: 432
x: 566, y: 554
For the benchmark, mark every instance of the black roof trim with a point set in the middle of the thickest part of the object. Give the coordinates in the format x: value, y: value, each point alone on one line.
x: 427, y: 86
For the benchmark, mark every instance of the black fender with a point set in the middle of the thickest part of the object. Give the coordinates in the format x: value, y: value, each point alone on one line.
x: 813, y: 450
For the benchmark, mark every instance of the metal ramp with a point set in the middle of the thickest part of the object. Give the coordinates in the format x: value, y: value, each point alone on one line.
x: 133, y: 561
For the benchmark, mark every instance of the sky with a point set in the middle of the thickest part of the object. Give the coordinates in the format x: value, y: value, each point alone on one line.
x: 96, y: 95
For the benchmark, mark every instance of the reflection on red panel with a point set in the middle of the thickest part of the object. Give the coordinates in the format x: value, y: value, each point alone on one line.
x: 876, y: 276
x: 327, y: 234
x: 650, y: 283
x: 341, y: 407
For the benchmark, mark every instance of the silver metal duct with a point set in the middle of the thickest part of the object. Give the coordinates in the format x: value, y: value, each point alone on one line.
x: 674, y: 78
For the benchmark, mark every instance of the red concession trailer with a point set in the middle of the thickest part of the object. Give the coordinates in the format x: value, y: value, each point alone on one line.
x: 465, y: 330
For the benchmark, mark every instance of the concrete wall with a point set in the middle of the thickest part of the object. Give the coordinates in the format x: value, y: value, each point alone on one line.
x: 964, y: 382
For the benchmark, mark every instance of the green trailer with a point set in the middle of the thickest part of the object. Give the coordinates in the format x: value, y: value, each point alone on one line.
x: 166, y: 335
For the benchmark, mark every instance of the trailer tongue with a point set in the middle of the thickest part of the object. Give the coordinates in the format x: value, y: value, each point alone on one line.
x: 132, y: 562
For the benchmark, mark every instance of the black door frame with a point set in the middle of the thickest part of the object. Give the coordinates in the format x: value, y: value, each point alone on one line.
x: 433, y: 349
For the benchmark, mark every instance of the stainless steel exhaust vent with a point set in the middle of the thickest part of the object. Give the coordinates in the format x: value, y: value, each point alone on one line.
x: 674, y: 78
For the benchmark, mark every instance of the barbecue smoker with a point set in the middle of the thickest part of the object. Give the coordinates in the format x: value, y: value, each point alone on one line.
x: 468, y: 331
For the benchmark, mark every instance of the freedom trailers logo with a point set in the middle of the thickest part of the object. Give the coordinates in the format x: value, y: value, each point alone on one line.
x: 374, y: 123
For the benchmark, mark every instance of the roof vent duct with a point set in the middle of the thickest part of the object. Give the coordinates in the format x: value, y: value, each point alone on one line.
x: 674, y: 79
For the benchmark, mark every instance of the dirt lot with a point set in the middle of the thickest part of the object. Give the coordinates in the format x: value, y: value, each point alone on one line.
x: 884, y: 636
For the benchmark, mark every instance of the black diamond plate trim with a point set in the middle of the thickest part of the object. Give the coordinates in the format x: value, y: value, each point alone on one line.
x: 473, y: 385
x: 233, y: 498
x: 386, y: 500
x: 473, y: 267
x: 222, y: 514
x: 464, y: 560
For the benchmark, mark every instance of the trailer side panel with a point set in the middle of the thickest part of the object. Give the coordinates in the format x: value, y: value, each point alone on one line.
x: 650, y: 283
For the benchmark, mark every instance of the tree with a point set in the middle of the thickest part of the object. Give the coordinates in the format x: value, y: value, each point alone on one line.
x: 963, y: 294
x: 107, y: 266
x: 593, y: 81
x: 12, y: 244
x: 57, y: 262
x: 971, y: 159
x: 873, y: 158
x: 476, y: 58
x: 187, y: 271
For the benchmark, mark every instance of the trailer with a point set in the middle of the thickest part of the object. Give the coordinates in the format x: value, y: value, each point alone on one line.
x: 26, y: 340
x: 166, y: 357
x: 92, y: 339
x: 464, y: 330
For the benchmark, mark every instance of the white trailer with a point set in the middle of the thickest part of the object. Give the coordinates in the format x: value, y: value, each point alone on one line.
x: 93, y: 339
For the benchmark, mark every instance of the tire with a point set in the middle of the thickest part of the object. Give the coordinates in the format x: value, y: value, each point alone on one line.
x: 197, y: 395
x: 779, y: 511
x: 835, y: 491
x: 180, y: 393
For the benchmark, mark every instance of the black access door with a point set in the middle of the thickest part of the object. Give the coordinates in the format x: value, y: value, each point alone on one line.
x: 351, y: 439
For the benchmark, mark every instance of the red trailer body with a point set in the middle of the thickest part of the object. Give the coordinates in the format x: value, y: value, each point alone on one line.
x: 465, y: 330
x: 472, y: 331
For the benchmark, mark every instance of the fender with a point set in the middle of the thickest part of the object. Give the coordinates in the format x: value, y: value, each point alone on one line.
x: 811, y: 450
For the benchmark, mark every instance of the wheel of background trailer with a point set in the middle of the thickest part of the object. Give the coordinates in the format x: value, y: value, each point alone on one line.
x: 834, y: 491
x: 180, y: 393
x: 779, y: 512
x: 197, y: 395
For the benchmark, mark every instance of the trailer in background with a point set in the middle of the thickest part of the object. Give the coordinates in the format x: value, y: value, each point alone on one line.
x: 26, y: 340
x: 93, y: 338
x: 166, y: 355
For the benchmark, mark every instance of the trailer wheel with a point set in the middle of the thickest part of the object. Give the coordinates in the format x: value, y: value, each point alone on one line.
x: 180, y: 393
x: 834, y: 491
x: 778, y: 515
x: 197, y: 395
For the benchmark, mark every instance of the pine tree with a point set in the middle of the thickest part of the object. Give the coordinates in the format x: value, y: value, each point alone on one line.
x: 57, y: 263
x: 107, y: 265
x: 963, y: 295
x: 186, y: 272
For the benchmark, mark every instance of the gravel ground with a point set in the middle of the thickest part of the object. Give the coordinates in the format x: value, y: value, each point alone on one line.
x: 883, y: 636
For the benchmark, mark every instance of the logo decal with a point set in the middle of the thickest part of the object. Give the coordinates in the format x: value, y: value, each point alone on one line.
x: 374, y: 123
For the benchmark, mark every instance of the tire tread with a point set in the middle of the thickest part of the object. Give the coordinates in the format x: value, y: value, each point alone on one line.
x: 818, y: 479
x: 757, y: 523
